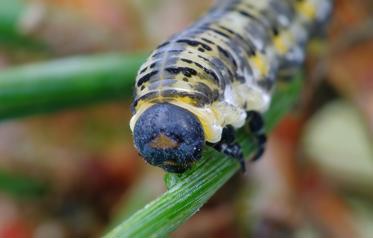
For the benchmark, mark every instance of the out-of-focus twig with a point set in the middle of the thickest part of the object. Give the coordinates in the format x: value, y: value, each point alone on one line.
x: 64, y: 83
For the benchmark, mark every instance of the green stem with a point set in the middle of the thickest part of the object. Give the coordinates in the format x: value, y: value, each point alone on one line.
x: 66, y: 83
x: 190, y: 190
x: 141, y: 192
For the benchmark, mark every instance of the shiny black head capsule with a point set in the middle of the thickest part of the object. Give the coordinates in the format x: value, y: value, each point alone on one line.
x: 169, y: 136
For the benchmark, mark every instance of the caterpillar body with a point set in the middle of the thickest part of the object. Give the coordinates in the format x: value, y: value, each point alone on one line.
x: 207, y: 81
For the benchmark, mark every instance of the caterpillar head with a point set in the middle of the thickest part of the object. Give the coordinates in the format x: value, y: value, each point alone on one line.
x: 169, y: 136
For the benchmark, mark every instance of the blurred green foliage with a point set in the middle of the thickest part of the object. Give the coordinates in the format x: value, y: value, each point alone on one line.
x: 21, y: 186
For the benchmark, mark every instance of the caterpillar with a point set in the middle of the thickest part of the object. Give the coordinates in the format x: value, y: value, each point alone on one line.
x: 216, y: 76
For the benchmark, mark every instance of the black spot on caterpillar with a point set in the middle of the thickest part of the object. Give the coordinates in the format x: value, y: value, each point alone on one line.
x: 217, y: 75
x: 195, y: 43
x: 186, y: 71
x: 146, y: 78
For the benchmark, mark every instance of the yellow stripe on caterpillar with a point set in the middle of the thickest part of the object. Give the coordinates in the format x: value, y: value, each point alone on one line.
x: 307, y: 9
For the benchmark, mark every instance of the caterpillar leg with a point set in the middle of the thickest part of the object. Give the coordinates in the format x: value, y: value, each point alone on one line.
x: 228, y: 146
x: 256, y: 124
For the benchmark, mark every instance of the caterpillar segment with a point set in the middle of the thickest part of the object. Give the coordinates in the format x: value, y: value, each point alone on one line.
x: 219, y: 73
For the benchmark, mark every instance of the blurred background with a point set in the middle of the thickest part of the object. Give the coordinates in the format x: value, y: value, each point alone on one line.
x: 75, y: 173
